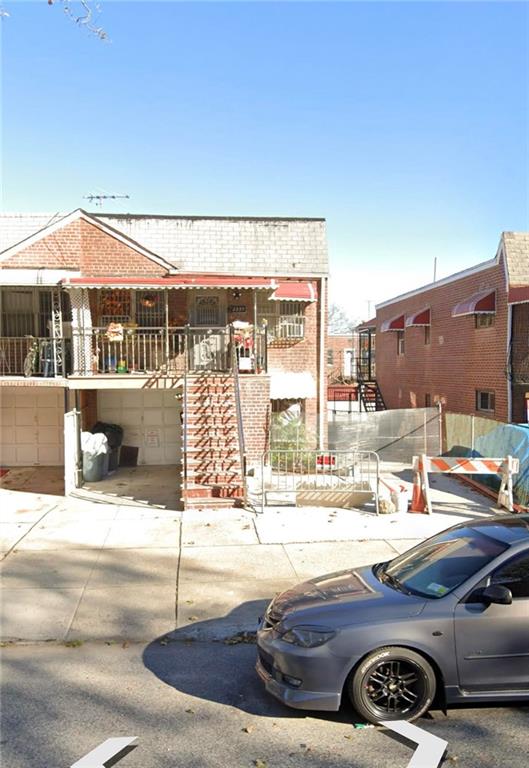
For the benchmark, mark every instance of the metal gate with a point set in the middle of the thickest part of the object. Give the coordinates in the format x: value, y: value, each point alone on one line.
x: 72, y: 452
x: 345, y: 479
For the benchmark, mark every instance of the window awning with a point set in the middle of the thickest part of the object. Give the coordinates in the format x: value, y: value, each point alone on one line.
x: 174, y: 282
x: 519, y: 294
x: 395, y: 324
x: 294, y: 291
x: 479, y: 303
x: 291, y: 386
x: 421, y: 318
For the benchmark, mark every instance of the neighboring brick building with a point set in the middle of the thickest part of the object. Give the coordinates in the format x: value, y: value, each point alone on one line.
x: 125, y: 307
x: 342, y: 354
x: 463, y: 340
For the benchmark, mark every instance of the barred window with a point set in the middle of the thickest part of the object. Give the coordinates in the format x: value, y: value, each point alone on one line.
x: 284, y: 319
x: 485, y: 400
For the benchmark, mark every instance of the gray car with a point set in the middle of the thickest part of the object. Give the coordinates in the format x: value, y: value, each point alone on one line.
x: 447, y: 621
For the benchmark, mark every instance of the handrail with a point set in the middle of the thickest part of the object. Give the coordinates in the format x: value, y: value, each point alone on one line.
x: 238, y: 409
x: 184, y: 416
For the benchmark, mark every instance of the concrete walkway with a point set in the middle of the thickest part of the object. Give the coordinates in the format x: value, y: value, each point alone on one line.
x: 76, y: 570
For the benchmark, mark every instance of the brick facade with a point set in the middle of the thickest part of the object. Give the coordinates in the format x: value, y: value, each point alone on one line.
x: 459, y: 358
x: 335, y: 356
x: 255, y: 406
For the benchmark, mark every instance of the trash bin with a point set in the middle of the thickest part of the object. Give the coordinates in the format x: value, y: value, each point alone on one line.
x: 114, y: 435
x: 95, y: 456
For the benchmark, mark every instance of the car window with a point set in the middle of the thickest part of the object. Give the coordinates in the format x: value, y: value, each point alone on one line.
x: 444, y: 562
x: 514, y: 575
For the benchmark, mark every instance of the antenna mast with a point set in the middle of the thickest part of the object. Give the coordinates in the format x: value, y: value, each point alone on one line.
x: 99, y: 198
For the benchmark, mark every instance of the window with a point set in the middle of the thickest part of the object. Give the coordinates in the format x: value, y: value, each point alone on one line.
x: 400, y: 342
x: 484, y: 321
x: 114, y: 306
x: 284, y: 319
x: 514, y: 575
x: 427, y: 334
x: 428, y: 400
x: 150, y: 309
x: 485, y: 400
x: 330, y: 357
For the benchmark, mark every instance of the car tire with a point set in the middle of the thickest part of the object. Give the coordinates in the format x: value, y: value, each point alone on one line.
x: 392, y: 683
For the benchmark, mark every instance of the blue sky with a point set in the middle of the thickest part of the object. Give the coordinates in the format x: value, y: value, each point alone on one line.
x: 404, y: 124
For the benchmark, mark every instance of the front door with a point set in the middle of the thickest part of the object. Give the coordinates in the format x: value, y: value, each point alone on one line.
x: 208, y: 340
x: 492, y: 642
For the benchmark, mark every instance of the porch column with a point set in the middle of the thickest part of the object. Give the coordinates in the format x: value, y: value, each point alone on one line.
x: 81, y: 332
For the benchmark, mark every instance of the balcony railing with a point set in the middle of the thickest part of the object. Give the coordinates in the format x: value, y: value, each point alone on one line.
x: 117, y: 349
x: 34, y: 356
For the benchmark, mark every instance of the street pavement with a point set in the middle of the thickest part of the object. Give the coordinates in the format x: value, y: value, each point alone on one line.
x: 200, y: 704
x: 76, y: 570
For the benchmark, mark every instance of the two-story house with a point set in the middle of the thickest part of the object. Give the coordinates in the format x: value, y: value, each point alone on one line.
x: 463, y: 340
x: 186, y: 331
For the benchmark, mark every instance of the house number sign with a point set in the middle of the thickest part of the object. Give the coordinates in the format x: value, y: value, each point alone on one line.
x: 237, y: 308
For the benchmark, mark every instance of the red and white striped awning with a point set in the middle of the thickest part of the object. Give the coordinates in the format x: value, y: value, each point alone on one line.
x: 395, y: 324
x: 174, y: 282
x: 292, y: 290
x: 419, y: 318
x: 479, y: 303
x: 519, y: 294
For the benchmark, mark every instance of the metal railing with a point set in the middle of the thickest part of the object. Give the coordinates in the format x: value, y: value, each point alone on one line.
x: 238, y: 409
x: 315, y: 478
x: 139, y: 350
x: 34, y: 356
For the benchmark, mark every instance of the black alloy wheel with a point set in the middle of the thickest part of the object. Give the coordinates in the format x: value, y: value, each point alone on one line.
x: 392, y: 684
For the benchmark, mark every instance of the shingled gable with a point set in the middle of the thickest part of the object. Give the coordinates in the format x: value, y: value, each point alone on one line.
x: 83, y: 243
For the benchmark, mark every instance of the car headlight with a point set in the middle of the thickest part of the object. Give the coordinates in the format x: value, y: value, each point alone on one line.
x: 308, y: 637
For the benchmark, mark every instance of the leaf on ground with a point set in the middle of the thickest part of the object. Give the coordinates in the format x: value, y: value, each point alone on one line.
x: 164, y: 641
x: 125, y: 644
x: 241, y: 637
x: 260, y: 763
x: 247, y: 729
x: 190, y: 711
x: 189, y: 602
x: 192, y: 618
x: 73, y: 643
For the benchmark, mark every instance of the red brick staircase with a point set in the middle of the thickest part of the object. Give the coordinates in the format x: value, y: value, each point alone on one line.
x: 214, y: 475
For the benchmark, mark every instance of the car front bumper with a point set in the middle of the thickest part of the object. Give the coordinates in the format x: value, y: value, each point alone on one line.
x: 321, y: 674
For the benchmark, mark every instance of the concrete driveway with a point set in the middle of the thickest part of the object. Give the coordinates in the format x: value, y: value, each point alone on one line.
x: 75, y: 570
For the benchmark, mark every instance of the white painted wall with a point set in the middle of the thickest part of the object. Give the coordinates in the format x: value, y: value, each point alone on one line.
x: 150, y: 420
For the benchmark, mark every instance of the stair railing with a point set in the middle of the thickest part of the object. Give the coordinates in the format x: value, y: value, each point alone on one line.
x: 185, y: 406
x: 238, y: 409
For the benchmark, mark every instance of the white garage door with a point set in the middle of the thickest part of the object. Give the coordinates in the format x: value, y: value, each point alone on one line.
x: 150, y: 420
x: 32, y: 423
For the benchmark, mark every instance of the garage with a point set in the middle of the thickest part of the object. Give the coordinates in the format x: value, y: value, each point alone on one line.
x: 32, y: 420
x: 150, y: 421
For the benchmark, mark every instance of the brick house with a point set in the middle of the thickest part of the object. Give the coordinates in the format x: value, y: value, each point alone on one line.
x: 463, y: 340
x: 342, y: 354
x: 187, y: 331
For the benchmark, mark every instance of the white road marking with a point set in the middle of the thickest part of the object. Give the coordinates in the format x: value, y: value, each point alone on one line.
x: 430, y: 749
x: 104, y: 752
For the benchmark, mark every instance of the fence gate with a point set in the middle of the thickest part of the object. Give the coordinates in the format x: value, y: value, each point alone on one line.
x: 305, y: 478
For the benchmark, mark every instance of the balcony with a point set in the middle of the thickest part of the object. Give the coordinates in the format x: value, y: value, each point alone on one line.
x: 140, y: 351
x: 32, y: 356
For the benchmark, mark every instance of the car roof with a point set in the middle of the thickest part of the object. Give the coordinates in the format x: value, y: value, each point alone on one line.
x: 509, y: 529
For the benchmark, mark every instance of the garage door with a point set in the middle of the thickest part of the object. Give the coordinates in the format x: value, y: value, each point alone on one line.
x: 32, y: 421
x: 150, y: 420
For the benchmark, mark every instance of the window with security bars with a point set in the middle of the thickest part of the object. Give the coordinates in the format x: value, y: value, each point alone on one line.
x: 115, y: 306
x: 28, y: 311
x: 150, y: 309
x: 284, y: 319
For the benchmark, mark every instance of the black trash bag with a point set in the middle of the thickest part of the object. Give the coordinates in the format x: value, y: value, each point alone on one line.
x: 113, y: 432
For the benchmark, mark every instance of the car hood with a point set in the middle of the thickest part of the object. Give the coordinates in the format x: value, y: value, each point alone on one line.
x: 357, y: 591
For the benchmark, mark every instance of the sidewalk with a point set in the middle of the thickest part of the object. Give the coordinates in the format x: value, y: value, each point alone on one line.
x: 75, y: 570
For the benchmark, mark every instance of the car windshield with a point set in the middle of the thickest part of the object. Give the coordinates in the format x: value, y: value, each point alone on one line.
x: 442, y: 563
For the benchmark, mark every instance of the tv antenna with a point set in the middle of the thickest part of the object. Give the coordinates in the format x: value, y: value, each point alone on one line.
x: 99, y: 198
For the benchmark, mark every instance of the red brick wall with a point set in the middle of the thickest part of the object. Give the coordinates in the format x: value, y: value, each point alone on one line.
x: 255, y: 405
x: 459, y: 359
x: 338, y: 345
x: 83, y: 246
x: 520, y: 361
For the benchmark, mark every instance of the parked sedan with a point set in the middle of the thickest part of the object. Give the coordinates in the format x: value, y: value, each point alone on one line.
x: 447, y: 620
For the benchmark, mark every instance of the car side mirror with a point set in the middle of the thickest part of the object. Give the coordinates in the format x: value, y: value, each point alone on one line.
x: 496, y: 593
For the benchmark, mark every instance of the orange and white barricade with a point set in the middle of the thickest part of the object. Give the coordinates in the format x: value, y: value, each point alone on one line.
x: 505, y: 468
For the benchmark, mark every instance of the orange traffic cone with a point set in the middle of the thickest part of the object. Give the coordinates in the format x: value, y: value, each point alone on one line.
x: 418, y: 502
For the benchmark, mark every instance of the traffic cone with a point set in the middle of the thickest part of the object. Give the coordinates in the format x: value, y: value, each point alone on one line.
x: 418, y: 502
